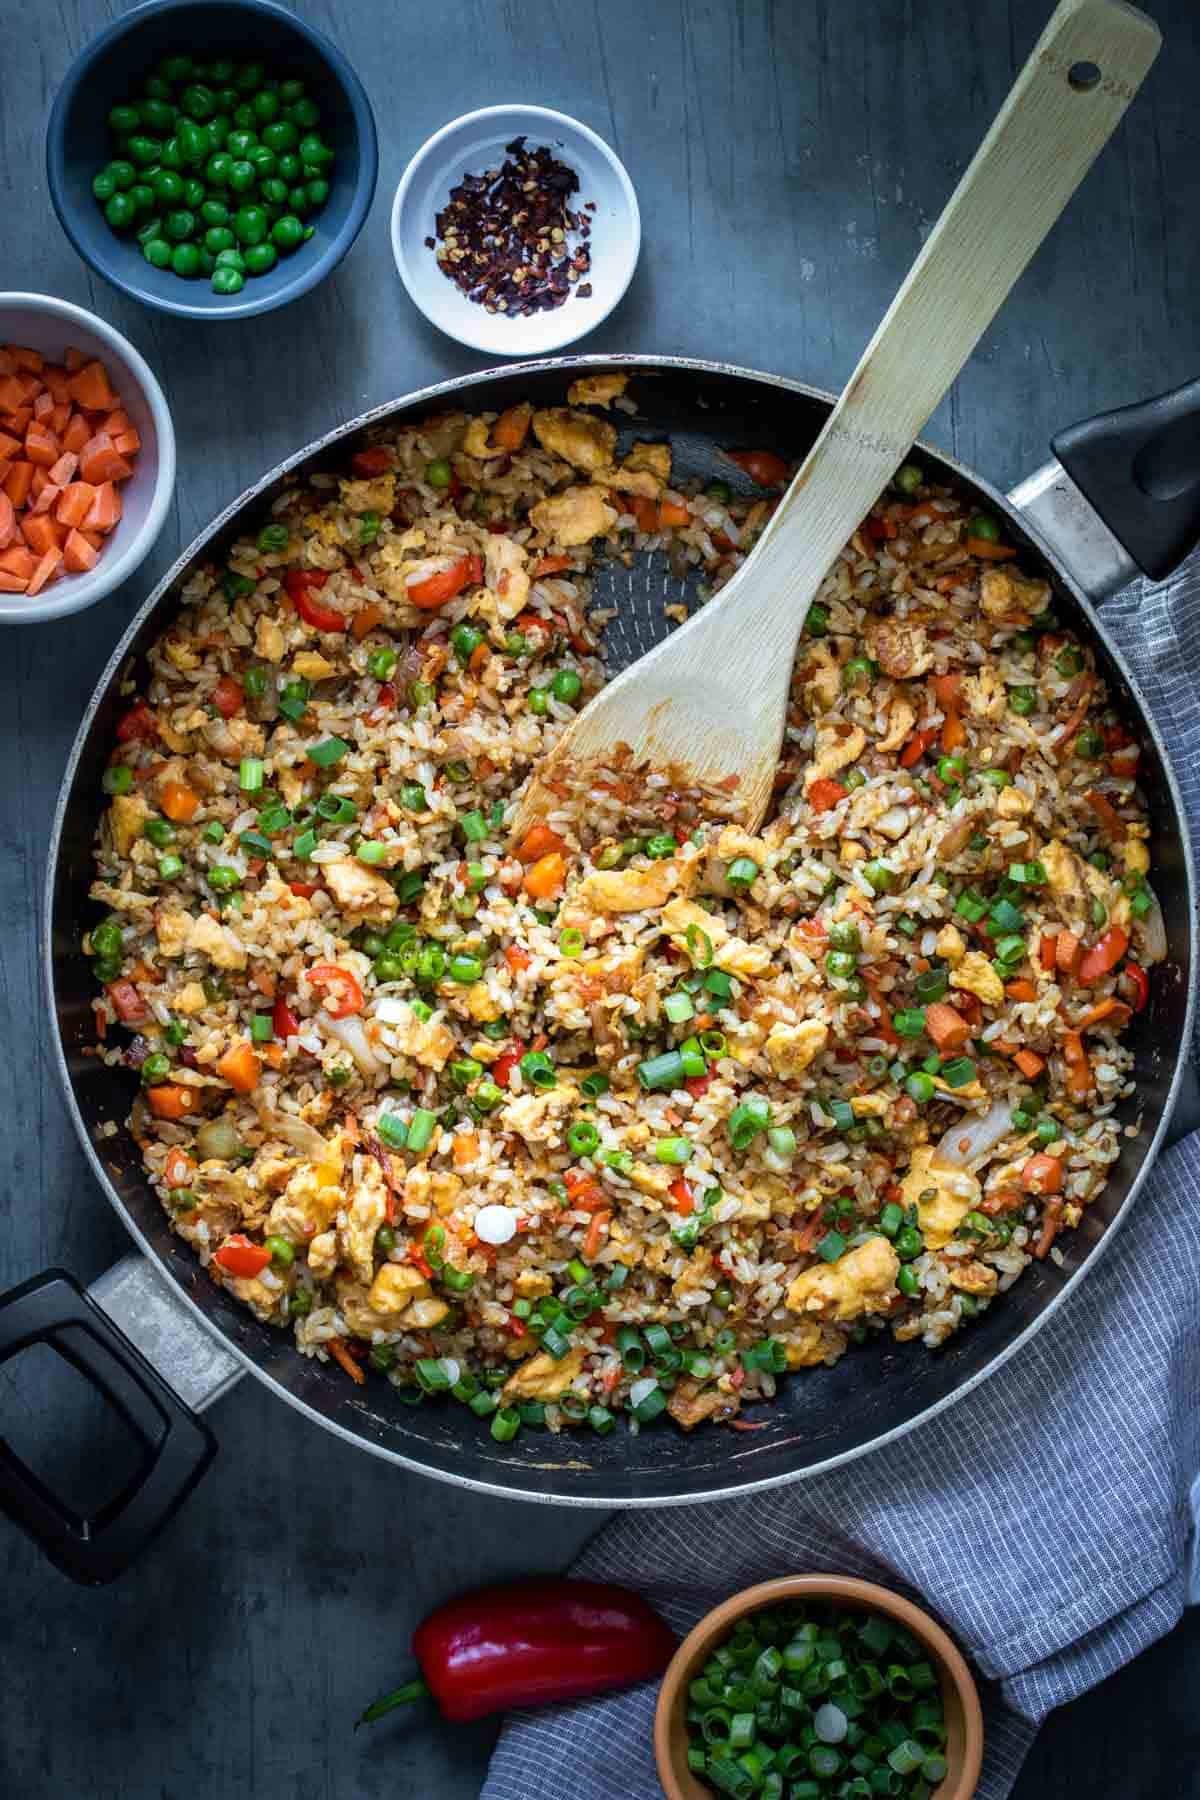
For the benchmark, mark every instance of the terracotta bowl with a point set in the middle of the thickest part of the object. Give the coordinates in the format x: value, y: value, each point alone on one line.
x: 964, y: 1718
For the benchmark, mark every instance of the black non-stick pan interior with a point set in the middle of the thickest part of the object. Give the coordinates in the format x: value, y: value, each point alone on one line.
x: 821, y: 1416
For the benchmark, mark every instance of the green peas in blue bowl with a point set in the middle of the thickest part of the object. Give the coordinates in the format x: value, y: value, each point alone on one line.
x: 156, y: 115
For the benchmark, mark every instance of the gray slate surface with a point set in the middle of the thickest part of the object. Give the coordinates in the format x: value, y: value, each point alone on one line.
x: 788, y: 158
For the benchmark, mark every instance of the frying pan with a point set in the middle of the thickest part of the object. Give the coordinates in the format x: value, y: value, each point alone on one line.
x: 161, y: 1341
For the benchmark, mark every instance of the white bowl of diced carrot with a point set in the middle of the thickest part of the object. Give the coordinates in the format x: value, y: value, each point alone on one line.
x: 87, y: 458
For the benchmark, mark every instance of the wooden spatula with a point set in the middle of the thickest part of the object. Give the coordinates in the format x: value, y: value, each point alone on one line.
x: 708, y: 703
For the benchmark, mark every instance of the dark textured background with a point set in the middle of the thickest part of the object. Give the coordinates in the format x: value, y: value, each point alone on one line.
x: 788, y: 158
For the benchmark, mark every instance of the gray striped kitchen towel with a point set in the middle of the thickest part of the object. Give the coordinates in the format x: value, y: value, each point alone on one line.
x: 1045, y: 1518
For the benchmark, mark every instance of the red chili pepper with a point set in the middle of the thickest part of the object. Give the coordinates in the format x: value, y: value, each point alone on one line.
x: 128, y: 1004
x: 241, y: 1258
x: 1140, y: 982
x: 299, y: 583
x: 228, y: 697
x: 505, y: 1063
x: 138, y: 722
x: 531, y: 1643
x: 345, y: 995
x: 284, y: 1022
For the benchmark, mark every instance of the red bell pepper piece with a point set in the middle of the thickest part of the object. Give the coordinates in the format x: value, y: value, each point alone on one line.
x: 128, y: 1004
x: 762, y: 466
x: 375, y: 460
x: 1140, y: 982
x: 530, y: 1643
x: 435, y: 590
x: 299, y: 584
x: 344, y: 994
x: 505, y: 1063
x: 284, y: 1022
x: 228, y: 697
x: 239, y: 1257
x: 138, y: 722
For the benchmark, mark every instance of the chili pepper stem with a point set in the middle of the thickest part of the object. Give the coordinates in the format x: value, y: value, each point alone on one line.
x: 401, y: 1696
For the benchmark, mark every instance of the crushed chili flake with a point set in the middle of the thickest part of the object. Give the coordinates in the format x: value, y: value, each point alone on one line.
x: 509, y: 239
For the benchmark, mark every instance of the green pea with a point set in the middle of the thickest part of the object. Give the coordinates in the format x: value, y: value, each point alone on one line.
x: 318, y: 190
x: 240, y: 143
x: 260, y: 259
x: 179, y: 225
x: 289, y: 166
x: 103, y: 186
x: 172, y: 155
x: 227, y: 280
x: 266, y: 106
x: 248, y: 76
x: 314, y: 153
x: 193, y: 192
x: 157, y: 253
x: 231, y: 259
x: 566, y: 685
x: 142, y: 195
x: 219, y: 128
x: 217, y: 168
x: 168, y: 187
x: 299, y: 201
x: 241, y: 176
x: 214, y: 212
x: 287, y: 233
x: 152, y: 229
x: 291, y: 90
x: 198, y: 102
x: 243, y: 117
x: 538, y: 701
x: 120, y: 211
x: 193, y: 141
x: 123, y: 174
x: 250, y: 224
x: 281, y: 135
x: 208, y: 261
x: 438, y: 473
x: 158, y: 116
x: 263, y: 158
x: 221, y: 70
x: 144, y: 150
x: 217, y: 238
x: 176, y: 68
x: 124, y: 119
x: 985, y: 527
x: 185, y: 260
x: 274, y: 191
x: 157, y: 88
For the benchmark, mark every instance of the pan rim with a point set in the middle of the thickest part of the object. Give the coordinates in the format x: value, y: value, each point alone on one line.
x: 498, y: 1488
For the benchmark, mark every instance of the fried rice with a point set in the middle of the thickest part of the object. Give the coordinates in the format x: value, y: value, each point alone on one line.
x: 640, y: 1113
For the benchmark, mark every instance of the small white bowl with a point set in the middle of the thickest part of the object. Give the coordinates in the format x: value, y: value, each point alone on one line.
x: 40, y: 322
x: 469, y: 146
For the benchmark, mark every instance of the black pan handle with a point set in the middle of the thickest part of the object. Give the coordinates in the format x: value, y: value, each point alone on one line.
x: 177, y: 1447
x: 1139, y: 467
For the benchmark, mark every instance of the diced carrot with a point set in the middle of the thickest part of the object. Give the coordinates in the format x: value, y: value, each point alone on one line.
x: 365, y: 620
x: 464, y: 1149
x: 90, y: 387
x: 128, y: 443
x: 987, y: 551
x: 18, y: 481
x: 41, y: 446
x: 32, y: 360
x: 43, y: 406
x: 1021, y: 990
x: 100, y: 461
x: 58, y: 418
x: 1106, y: 812
x: 916, y: 747
x: 178, y: 1169
x: 947, y: 690
x: 11, y: 584
x: 1066, y: 952
x: 478, y: 657
x: 94, y: 538
x: 1029, y: 1063
x: 8, y: 521
x: 508, y: 433
x: 1079, y: 1069
x: 74, y: 360
x: 12, y: 393
x: 40, y: 532
x: 74, y: 503
x: 64, y: 469
x: 38, y: 482
x: 1108, y: 1008
x: 78, y: 554
x: 1042, y: 1174
x: 46, y: 571
x: 596, y: 1231
x: 948, y: 1029
x: 671, y: 513
x: 56, y: 379
x: 546, y: 876
x: 954, y: 732
x: 18, y: 561
x: 178, y: 801
x: 516, y: 959
x: 538, y: 841
x: 240, y: 1068
x: 274, y: 1054
x: 75, y: 433
x: 47, y: 495
x: 826, y: 793
x: 550, y: 565
x: 118, y: 421
x: 8, y: 446
x: 341, y: 1355
x: 105, y: 510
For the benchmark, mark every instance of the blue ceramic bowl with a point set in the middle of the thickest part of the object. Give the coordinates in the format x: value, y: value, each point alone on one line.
x: 112, y: 69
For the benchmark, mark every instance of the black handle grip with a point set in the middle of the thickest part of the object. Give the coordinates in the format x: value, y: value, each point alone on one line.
x: 177, y: 1446
x: 1140, y: 469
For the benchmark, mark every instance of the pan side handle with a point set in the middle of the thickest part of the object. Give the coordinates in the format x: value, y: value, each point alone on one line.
x: 129, y: 1369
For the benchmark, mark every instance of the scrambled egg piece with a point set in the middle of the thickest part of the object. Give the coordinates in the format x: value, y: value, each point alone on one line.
x: 628, y: 890
x: 323, y: 1255
x: 396, y: 1286
x: 312, y: 666
x: 1062, y: 871
x: 651, y: 1179
x: 217, y: 942
x: 438, y: 1188
x: 1005, y: 595
x: 950, y: 944
x: 942, y: 1196
x: 973, y: 1277
x: 541, y: 1378
x: 834, y: 752
x: 127, y: 816
x: 902, y: 716
x: 504, y: 569
x: 172, y: 927
x: 581, y: 440
x: 268, y: 639
x: 733, y: 954
x: 536, y: 1117
x: 476, y: 444
x: 860, y: 1282
x: 901, y: 648
x: 428, y: 1041
x: 646, y: 470
x: 365, y: 1213
x: 376, y: 495
x: 975, y: 973
x: 1013, y: 803
x: 310, y: 1201
x: 575, y: 516
x: 808, y: 1347
x: 367, y: 897
x: 985, y: 694
x: 869, y: 1106
x: 823, y: 680
x: 597, y: 390
x: 1136, y: 855
x: 234, y: 738
x: 790, y: 1048
x: 190, y: 999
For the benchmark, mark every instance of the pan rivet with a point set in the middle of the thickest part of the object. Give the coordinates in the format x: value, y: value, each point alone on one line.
x: 1083, y: 76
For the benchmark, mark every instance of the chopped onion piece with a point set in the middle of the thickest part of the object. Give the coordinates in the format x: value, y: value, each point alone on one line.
x: 352, y: 1034
x: 640, y: 1389
x: 972, y: 1139
x: 1154, y: 932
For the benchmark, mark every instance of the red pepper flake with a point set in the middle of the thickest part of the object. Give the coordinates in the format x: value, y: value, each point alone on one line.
x: 508, y: 238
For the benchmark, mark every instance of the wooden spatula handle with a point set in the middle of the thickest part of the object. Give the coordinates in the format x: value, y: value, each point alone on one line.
x: 1063, y: 107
